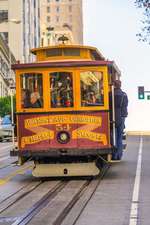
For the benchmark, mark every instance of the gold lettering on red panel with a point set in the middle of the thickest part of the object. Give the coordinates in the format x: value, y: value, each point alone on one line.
x: 90, y: 123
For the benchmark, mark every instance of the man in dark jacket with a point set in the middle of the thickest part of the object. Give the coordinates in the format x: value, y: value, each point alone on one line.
x: 121, y: 104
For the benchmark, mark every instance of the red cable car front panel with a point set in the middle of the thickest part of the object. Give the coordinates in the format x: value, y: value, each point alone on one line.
x: 43, y: 132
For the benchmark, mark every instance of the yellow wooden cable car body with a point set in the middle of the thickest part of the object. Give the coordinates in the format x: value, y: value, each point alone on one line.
x: 63, y: 114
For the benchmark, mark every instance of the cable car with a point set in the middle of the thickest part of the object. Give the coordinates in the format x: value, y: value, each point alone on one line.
x: 63, y: 114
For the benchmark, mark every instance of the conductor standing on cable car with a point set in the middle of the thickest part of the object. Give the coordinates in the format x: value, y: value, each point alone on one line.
x: 121, y: 112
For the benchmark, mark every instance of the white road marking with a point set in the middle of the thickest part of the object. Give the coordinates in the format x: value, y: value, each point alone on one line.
x: 135, y: 196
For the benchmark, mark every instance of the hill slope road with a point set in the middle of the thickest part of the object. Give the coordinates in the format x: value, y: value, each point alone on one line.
x: 123, y: 196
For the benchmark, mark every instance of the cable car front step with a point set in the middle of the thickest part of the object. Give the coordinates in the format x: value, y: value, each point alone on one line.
x: 65, y: 169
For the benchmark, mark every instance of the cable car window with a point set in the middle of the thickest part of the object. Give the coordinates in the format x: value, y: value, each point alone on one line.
x: 61, y: 89
x: 92, y: 93
x: 31, y: 90
x: 71, y: 52
x: 54, y: 52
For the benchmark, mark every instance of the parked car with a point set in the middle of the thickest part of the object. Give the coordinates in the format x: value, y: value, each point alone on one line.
x: 5, y: 128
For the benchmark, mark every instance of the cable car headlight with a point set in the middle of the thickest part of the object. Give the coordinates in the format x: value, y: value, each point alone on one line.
x: 63, y: 137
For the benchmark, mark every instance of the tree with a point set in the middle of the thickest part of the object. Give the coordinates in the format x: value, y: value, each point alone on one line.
x: 5, y: 105
x: 144, y: 35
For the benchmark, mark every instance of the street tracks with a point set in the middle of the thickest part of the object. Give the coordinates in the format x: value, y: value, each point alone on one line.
x: 61, y: 202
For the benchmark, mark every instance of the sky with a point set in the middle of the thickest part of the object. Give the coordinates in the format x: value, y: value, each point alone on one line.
x: 111, y: 26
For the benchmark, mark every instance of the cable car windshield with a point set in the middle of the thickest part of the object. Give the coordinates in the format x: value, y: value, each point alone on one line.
x: 92, y: 93
x: 61, y: 89
x: 89, y: 90
x: 31, y: 90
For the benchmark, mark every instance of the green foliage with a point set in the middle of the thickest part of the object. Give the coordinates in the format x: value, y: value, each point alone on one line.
x: 5, y: 105
x: 144, y: 35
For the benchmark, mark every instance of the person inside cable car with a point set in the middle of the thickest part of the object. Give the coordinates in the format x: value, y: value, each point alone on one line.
x: 25, y: 101
x: 89, y: 98
x: 61, y: 91
x: 35, y: 99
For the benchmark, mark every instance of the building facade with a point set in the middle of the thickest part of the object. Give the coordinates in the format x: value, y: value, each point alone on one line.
x: 19, y: 26
x: 6, y: 74
x: 61, y: 17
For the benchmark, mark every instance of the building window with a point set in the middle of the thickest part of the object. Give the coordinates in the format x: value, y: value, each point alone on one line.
x: 4, y: 35
x: 48, y: 9
x: 34, y: 3
x: 3, y: 16
x: 42, y: 42
x: 68, y: 25
x: 57, y: 19
x: 70, y: 8
x: 70, y: 18
x: 48, y: 19
x: 35, y: 42
x: 57, y: 9
x: 4, y: 68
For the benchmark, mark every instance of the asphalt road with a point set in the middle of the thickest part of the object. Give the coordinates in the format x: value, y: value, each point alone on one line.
x: 121, y: 198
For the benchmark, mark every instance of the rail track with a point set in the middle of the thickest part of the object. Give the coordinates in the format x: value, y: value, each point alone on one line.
x: 61, y: 202
x: 13, y: 163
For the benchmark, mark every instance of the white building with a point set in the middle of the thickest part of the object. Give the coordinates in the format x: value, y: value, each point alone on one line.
x: 19, y: 24
x: 6, y: 58
x: 62, y: 17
